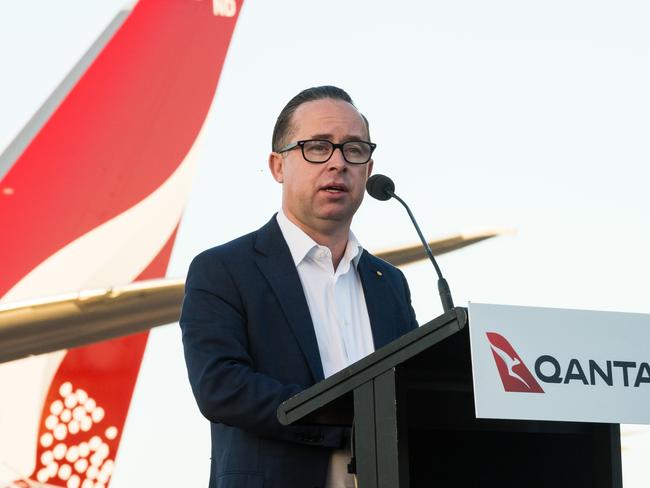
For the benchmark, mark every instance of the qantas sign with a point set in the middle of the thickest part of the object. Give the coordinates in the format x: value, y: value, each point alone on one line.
x: 553, y: 364
x: 516, y: 377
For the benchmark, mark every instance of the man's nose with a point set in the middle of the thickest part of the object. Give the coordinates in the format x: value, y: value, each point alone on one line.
x: 337, y: 160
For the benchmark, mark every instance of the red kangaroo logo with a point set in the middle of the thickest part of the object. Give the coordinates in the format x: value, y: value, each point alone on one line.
x: 514, y: 373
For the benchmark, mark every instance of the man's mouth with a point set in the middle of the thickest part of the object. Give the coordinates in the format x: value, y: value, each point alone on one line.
x: 335, y: 188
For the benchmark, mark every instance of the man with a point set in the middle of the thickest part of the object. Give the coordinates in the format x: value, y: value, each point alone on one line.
x: 273, y: 312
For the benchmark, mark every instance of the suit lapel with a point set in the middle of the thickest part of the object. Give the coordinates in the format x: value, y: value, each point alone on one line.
x: 378, y: 294
x: 274, y: 261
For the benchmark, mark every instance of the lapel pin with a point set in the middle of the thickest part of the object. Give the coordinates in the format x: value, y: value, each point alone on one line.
x: 379, y: 274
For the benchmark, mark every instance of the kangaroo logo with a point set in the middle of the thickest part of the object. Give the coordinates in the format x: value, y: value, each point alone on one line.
x: 515, y: 376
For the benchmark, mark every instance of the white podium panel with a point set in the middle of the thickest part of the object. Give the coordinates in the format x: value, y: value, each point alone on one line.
x: 555, y: 364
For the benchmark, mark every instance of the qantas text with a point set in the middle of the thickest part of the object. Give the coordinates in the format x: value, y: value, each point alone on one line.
x: 590, y: 372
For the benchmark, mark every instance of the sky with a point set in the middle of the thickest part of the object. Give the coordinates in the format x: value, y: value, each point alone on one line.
x: 532, y: 116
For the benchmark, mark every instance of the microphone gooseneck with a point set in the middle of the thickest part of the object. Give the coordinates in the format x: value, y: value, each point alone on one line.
x: 382, y: 188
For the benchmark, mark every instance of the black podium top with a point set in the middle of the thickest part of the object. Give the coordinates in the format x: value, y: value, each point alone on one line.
x: 336, y: 391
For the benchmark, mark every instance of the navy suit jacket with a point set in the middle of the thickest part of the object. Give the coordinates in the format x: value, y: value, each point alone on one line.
x: 250, y: 345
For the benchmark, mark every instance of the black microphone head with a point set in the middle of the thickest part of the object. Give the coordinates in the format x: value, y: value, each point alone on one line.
x: 380, y: 187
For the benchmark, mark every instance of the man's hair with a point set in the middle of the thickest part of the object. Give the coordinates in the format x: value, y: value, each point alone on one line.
x: 283, y: 123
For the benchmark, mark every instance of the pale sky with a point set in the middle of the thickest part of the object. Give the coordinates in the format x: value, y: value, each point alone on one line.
x: 527, y: 115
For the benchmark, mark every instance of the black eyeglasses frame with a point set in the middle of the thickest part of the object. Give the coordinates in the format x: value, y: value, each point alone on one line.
x: 301, y: 145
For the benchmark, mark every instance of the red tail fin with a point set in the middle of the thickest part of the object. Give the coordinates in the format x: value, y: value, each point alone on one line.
x: 95, y: 200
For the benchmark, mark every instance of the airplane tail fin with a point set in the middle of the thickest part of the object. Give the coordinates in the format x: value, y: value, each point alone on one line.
x: 94, y: 199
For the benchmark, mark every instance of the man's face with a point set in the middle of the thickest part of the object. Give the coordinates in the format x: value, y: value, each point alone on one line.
x: 322, y: 197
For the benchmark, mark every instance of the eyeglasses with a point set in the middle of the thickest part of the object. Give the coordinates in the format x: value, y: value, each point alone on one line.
x: 321, y: 150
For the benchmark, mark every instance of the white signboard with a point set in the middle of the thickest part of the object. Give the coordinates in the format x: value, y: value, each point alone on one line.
x: 554, y: 364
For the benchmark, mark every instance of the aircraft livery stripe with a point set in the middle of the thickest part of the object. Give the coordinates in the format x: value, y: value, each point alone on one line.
x: 118, y: 135
x: 35, y: 124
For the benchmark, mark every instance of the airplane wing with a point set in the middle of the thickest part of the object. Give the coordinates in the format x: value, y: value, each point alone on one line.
x: 38, y: 326
x: 66, y: 321
x: 409, y: 254
x: 113, y: 147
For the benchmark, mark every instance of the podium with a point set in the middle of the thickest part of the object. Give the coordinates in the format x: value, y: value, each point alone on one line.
x: 411, y: 406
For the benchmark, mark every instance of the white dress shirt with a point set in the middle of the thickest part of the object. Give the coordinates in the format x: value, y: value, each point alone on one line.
x: 335, y: 298
x: 338, y: 311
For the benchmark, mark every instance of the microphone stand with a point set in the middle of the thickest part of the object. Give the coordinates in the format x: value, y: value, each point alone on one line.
x: 443, y: 287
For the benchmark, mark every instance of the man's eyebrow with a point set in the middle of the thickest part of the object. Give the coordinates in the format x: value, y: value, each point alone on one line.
x: 329, y: 137
x: 322, y: 136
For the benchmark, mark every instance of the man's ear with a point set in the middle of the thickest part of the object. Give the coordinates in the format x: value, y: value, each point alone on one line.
x: 370, y: 164
x: 276, y: 165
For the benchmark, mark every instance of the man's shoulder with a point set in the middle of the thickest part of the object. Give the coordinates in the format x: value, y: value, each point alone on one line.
x: 240, y: 248
x: 228, y: 250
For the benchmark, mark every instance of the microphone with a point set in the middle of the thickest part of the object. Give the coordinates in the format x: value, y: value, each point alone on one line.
x: 382, y: 188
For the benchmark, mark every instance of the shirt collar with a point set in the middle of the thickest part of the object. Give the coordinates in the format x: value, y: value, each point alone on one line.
x: 300, y: 244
